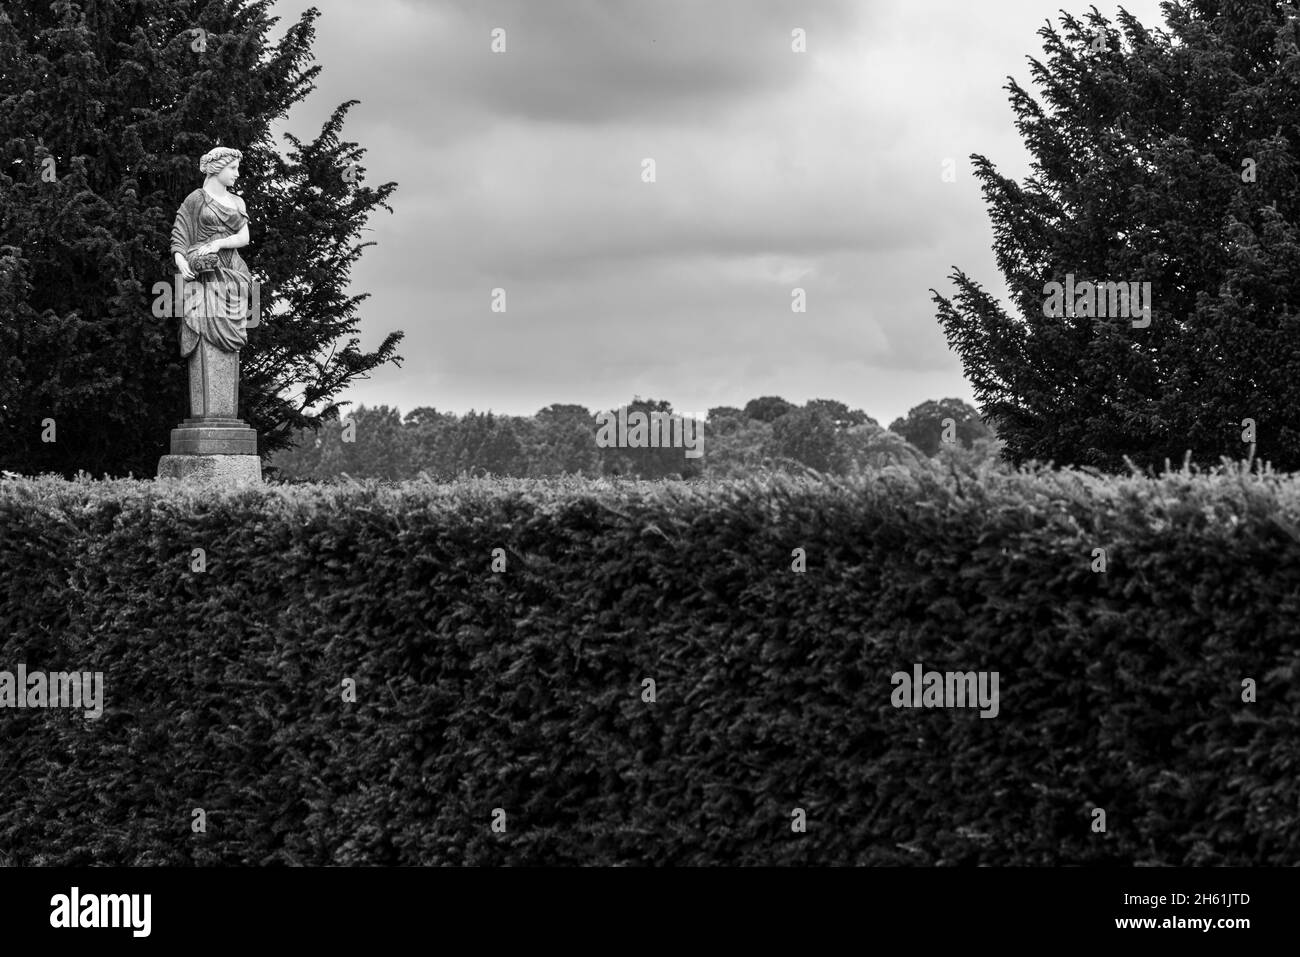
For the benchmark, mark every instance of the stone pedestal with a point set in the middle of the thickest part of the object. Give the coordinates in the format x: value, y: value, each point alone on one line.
x: 225, y: 470
x: 214, y: 435
x: 214, y: 382
x: 213, y: 444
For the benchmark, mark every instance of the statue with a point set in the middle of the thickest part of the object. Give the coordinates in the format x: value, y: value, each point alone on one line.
x: 211, y: 225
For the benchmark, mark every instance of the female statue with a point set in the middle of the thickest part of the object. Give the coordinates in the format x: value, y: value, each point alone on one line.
x: 211, y: 224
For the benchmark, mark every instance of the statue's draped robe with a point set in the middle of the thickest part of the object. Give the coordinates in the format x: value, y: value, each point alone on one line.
x: 216, y: 301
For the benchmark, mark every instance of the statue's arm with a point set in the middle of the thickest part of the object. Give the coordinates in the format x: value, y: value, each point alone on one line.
x: 236, y: 241
x: 240, y: 239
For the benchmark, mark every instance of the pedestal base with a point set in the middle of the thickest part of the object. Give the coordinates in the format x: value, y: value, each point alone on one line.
x: 222, y: 469
x: 214, y: 435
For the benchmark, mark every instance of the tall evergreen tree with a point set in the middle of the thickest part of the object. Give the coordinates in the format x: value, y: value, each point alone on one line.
x: 105, y: 108
x: 1167, y: 157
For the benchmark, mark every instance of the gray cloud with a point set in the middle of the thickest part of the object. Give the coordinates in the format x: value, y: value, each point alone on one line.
x: 774, y: 170
x: 612, y: 61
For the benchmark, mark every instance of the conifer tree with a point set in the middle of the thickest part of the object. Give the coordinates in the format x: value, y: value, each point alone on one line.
x: 1162, y: 156
x: 105, y: 108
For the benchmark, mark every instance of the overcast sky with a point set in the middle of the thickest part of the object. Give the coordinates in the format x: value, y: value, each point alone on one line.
x: 774, y: 170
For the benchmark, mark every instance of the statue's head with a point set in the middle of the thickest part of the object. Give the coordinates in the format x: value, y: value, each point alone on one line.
x: 223, y: 163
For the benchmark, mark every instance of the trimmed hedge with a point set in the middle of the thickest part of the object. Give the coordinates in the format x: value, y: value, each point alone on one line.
x: 522, y: 690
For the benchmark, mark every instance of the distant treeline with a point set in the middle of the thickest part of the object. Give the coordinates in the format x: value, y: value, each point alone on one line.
x: 768, y: 433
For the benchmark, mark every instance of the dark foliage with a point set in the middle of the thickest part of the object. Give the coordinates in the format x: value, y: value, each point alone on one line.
x: 523, y: 689
x: 1162, y: 157
x: 925, y: 425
